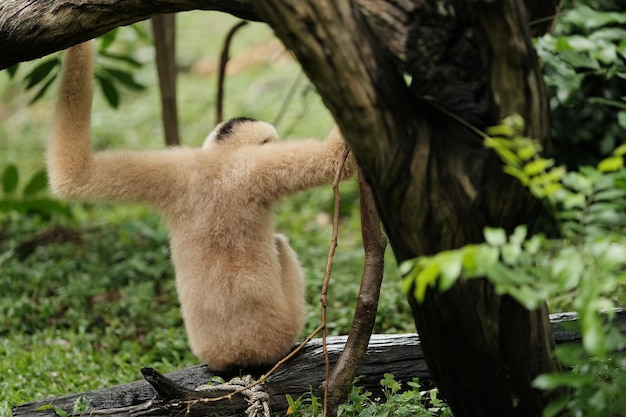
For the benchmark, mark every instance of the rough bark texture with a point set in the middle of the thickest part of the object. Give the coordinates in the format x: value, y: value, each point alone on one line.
x: 30, y: 29
x: 435, y: 184
x: 400, y: 355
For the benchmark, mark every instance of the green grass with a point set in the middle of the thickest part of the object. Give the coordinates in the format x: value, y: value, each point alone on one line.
x: 86, y: 301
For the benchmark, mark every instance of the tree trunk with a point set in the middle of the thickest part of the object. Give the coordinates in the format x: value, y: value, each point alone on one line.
x: 164, y: 32
x: 436, y: 185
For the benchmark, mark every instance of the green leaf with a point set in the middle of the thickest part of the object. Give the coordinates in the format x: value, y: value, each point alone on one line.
x: 607, y: 102
x: 12, y: 70
x: 517, y: 173
x: 500, y: 131
x: 527, y: 151
x: 37, y: 183
x: 593, y: 334
x: 427, y: 276
x: 556, y: 406
x: 555, y: 380
x: 621, y: 119
x: 451, y: 265
x: 43, y: 89
x: 538, y: 166
x: 519, y: 235
x: 110, y: 92
x: 495, y: 236
x: 10, y: 178
x: 127, y: 59
x: 533, y: 244
x: 611, y: 164
x: 406, y: 266
x: 478, y: 258
x: 40, y: 72
x: 124, y: 77
x: 567, y: 267
x: 610, y: 194
x: 57, y: 410
x: 508, y: 157
x: 569, y: 354
x: 106, y: 40
x: 511, y: 253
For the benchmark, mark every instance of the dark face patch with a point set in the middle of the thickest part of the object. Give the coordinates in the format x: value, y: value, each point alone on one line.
x: 227, y: 128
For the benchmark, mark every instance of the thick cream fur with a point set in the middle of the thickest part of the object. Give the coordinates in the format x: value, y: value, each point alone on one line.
x: 240, y: 285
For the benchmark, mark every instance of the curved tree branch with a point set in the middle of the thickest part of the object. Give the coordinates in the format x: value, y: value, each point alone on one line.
x: 374, y: 244
x: 31, y: 29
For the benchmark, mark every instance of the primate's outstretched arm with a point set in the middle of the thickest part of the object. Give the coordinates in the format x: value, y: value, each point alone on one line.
x: 77, y: 173
x: 283, y: 168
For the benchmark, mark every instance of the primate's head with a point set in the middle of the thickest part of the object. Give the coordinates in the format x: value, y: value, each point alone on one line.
x: 241, y: 131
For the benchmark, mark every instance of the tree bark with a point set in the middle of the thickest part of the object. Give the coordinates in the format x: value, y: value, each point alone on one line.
x: 31, y: 29
x: 435, y: 184
x: 164, y: 30
x: 400, y: 355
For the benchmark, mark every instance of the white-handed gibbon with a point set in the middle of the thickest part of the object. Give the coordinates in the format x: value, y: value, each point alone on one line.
x: 240, y: 285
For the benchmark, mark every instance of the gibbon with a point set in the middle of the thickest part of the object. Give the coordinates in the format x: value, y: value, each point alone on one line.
x: 240, y: 285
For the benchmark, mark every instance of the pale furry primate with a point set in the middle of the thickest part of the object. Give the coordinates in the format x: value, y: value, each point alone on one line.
x: 240, y: 285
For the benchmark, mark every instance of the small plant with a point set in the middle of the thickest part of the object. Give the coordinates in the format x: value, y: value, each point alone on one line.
x: 30, y: 199
x: 396, y: 402
x: 114, y: 69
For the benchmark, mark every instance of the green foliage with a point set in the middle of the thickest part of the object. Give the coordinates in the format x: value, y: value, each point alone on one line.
x: 585, y: 266
x: 32, y: 199
x: 396, y: 401
x: 584, y: 64
x: 115, y: 67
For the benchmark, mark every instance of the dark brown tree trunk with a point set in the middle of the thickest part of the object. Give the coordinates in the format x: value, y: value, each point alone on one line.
x: 436, y: 185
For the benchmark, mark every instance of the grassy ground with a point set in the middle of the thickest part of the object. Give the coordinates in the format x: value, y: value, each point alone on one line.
x: 87, y: 300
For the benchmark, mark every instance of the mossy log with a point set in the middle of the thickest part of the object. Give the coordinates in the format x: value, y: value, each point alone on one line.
x: 158, y: 395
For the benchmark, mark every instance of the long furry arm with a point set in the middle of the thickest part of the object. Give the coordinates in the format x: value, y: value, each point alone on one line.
x: 69, y: 155
x: 283, y: 168
x: 74, y: 171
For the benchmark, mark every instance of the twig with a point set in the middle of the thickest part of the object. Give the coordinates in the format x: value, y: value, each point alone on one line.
x: 263, y: 377
x: 219, y: 101
x: 288, y: 99
x: 329, y: 264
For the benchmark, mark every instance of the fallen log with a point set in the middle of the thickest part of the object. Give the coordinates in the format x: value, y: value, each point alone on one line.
x: 158, y: 395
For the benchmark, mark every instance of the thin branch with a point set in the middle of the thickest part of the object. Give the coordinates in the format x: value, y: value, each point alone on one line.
x: 224, y: 57
x: 329, y: 265
x: 288, y: 99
